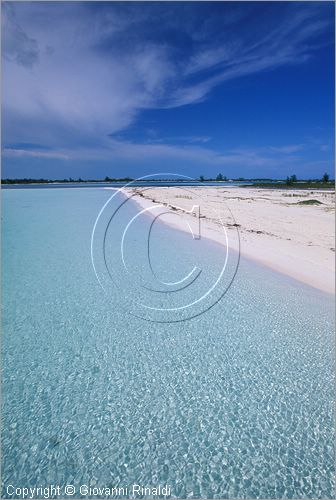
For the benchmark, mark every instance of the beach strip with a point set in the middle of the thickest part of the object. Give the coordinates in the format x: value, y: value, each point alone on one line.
x: 290, y: 231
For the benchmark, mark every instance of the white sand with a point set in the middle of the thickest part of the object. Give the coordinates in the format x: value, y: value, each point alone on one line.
x: 297, y: 240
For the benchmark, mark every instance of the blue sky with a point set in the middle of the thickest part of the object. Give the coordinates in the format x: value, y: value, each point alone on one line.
x: 127, y: 89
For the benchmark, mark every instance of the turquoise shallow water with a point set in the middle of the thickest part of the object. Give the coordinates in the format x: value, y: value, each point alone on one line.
x: 235, y: 403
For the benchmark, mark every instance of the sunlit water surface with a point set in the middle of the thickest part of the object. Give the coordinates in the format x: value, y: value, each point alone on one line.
x: 235, y: 403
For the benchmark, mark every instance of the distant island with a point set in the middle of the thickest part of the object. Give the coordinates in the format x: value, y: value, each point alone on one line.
x: 289, y: 182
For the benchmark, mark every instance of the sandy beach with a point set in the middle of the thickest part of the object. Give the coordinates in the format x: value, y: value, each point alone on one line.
x: 291, y: 231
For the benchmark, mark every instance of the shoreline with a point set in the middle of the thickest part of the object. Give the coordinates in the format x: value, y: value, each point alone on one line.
x: 293, y: 238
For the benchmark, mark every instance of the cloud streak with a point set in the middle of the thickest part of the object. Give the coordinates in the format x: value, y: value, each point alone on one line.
x: 31, y: 153
x: 269, y: 156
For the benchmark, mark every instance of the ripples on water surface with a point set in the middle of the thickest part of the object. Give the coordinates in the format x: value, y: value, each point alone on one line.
x: 236, y: 403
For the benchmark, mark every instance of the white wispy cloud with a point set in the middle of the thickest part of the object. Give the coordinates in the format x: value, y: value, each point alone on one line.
x: 287, y: 149
x: 268, y: 156
x: 193, y: 159
x: 35, y: 153
x: 188, y: 139
x: 74, y: 74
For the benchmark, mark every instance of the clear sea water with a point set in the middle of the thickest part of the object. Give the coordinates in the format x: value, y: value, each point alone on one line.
x: 234, y: 403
